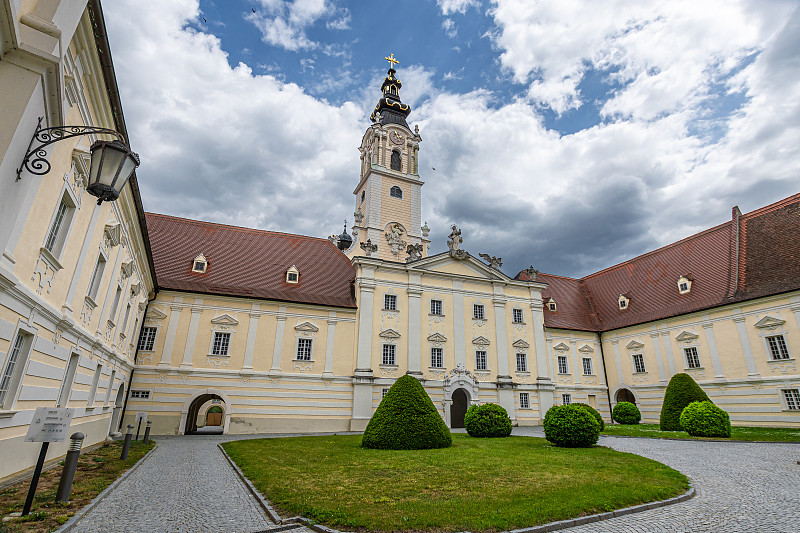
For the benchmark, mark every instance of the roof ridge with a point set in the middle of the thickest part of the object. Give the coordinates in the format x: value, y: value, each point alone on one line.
x: 237, y: 228
x: 773, y: 206
x: 558, y: 276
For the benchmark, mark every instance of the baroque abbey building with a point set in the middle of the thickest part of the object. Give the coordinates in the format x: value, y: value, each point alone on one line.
x: 112, y: 311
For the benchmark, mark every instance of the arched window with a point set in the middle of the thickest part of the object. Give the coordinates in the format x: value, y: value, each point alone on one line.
x: 396, y: 192
x: 396, y: 164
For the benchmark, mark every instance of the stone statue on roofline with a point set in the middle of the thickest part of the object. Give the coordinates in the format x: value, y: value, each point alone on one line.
x: 454, y: 242
x: 414, y: 252
x: 494, y: 261
x: 369, y: 248
x: 532, y: 273
x: 395, y: 238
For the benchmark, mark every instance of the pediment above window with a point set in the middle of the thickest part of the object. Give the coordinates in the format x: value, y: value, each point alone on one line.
x: 156, y: 314
x: 112, y: 234
x: 224, y: 320
x: 389, y: 334
x: 586, y: 349
x: 306, y: 326
x: 561, y: 347
x: 686, y: 336
x: 126, y: 269
x: 520, y: 343
x: 634, y: 345
x: 481, y: 341
x: 437, y: 337
x: 769, y: 322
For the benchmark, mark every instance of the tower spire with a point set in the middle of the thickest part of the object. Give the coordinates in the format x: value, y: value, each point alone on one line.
x: 390, y: 110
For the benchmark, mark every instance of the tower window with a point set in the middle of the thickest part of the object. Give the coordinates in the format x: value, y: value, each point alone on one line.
x: 396, y: 192
x: 363, y: 195
x: 396, y: 162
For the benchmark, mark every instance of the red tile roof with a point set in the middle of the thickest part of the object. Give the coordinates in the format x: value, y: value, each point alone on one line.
x: 248, y: 262
x: 753, y: 255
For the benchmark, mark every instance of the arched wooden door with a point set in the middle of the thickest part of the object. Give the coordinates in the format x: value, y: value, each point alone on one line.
x: 459, y: 408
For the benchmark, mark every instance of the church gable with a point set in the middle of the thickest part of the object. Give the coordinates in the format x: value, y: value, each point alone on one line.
x: 469, y: 267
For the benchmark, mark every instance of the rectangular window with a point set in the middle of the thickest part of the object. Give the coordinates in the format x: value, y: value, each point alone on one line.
x: 638, y: 363
x: 566, y: 399
x: 436, y: 307
x: 562, y: 365
x: 69, y: 378
x: 517, y: 314
x: 110, y: 387
x: 15, y: 366
x: 125, y: 320
x: 388, y: 354
x: 477, y: 312
x: 777, y: 347
x: 383, y: 393
x: 792, y: 398
x: 140, y: 394
x: 112, y: 316
x: 147, y: 338
x: 390, y: 302
x: 522, y: 362
x: 524, y: 400
x: 57, y: 235
x: 692, y: 359
x: 437, y: 358
x: 97, y: 277
x: 221, y: 343
x: 95, y: 382
x: 480, y: 360
x: 587, y: 366
x: 304, y: 349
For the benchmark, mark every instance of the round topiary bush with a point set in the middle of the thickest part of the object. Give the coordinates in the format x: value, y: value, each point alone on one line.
x: 626, y: 413
x: 406, y: 419
x: 681, y: 391
x: 704, y: 419
x: 594, y: 413
x: 571, y: 426
x: 487, y: 420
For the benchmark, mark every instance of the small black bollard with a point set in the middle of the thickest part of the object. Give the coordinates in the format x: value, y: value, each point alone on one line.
x: 147, y: 432
x: 70, y: 464
x: 126, y: 447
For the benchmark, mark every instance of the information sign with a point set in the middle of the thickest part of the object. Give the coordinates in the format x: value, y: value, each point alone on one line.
x: 141, y: 416
x: 49, y: 424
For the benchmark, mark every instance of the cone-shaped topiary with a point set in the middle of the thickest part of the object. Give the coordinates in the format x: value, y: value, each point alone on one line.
x: 626, y: 413
x: 406, y: 419
x: 570, y: 426
x: 594, y: 413
x: 681, y: 391
x: 704, y: 419
x: 487, y: 420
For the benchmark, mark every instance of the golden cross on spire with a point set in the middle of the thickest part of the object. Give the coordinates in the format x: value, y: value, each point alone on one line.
x: 391, y: 60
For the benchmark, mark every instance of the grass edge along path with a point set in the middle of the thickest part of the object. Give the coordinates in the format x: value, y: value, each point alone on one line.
x: 476, y: 485
x: 738, y: 433
x: 97, y: 470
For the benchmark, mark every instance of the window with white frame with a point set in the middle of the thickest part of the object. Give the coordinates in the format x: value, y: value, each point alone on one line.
x: 59, y: 226
x: 551, y: 305
x: 383, y: 392
x: 587, y: 366
x: 140, y: 394
x: 524, y: 400
x: 147, y: 338
x: 562, y: 365
x: 200, y: 264
x: 566, y: 399
x: 11, y: 378
x: 221, y: 343
x: 480, y: 360
x: 95, y: 382
x: 293, y: 275
x: 69, y: 378
x: 437, y: 358
x: 777, y: 347
x: 517, y: 316
x: 623, y: 302
x: 304, y: 349
x: 684, y: 285
x: 692, y: 358
x: 389, y: 354
x: 522, y: 362
x: 97, y: 276
x: 478, y: 312
x: 396, y: 192
x: 792, y: 397
x: 436, y: 307
x: 638, y: 363
x: 117, y: 295
x: 390, y: 302
x: 110, y: 387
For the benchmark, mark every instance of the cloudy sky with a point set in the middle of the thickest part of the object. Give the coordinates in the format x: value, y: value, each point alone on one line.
x: 566, y: 134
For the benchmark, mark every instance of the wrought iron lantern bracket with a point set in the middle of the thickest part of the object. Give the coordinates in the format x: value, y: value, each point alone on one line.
x: 35, y: 160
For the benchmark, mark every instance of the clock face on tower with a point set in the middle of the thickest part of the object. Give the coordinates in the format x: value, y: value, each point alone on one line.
x: 395, y: 138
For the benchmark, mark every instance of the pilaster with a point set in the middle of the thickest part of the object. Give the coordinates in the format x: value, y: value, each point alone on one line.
x: 277, y: 348
x: 172, y: 329
x: 194, y: 324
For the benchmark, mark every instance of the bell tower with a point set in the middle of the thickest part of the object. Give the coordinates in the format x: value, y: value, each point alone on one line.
x: 388, y: 194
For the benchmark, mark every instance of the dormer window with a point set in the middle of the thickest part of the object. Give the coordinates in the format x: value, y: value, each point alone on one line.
x: 396, y: 163
x: 551, y: 305
x: 293, y: 275
x: 624, y: 301
x: 684, y: 284
x: 200, y: 264
x: 396, y: 192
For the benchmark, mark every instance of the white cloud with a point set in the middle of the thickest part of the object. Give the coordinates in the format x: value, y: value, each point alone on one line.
x: 456, y: 6
x: 449, y: 27
x: 284, y: 22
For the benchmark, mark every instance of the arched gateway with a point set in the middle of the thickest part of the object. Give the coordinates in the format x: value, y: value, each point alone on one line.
x: 191, y: 410
x: 458, y: 408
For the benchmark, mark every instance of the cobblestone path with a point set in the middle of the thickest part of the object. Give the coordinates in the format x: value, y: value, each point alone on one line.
x: 186, y: 485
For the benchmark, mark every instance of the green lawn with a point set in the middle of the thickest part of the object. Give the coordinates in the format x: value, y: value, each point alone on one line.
x: 476, y: 485
x: 737, y: 433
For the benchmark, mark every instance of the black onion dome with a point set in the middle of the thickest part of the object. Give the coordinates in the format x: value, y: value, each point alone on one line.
x: 345, y: 240
x: 391, y: 109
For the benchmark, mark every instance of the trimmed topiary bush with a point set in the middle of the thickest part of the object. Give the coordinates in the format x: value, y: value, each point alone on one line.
x: 487, y: 420
x: 704, y: 419
x: 626, y: 413
x: 571, y: 426
x: 406, y: 419
x: 681, y: 391
x: 594, y: 413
